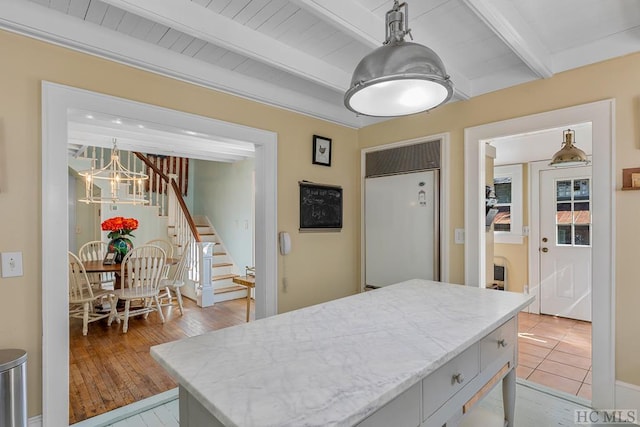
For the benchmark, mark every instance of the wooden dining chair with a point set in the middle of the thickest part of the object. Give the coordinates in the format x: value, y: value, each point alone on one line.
x: 164, y: 244
x: 140, y: 276
x: 168, y: 249
x: 95, y: 251
x: 82, y: 296
x: 176, y: 281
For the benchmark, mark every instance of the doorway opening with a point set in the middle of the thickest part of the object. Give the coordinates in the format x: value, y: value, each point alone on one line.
x: 57, y: 100
x: 542, y: 245
x: 600, y: 115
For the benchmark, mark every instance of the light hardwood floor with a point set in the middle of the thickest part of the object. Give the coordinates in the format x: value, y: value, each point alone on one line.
x: 109, y: 369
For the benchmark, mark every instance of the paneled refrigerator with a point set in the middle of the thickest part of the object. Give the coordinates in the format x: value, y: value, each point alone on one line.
x: 401, y: 228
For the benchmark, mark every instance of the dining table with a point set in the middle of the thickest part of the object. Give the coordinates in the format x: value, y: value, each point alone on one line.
x: 97, y: 266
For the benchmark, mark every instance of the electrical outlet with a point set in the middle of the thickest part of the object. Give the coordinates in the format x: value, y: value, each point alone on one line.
x: 11, y: 264
x: 459, y: 236
x: 525, y: 230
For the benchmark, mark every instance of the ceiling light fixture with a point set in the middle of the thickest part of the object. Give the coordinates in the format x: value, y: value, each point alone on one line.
x: 569, y: 154
x: 117, y: 184
x: 399, y: 78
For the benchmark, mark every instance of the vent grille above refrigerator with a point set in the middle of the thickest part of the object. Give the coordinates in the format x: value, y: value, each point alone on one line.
x: 408, y: 158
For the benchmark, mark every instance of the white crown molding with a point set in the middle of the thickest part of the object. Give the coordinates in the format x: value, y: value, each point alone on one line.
x: 29, y: 18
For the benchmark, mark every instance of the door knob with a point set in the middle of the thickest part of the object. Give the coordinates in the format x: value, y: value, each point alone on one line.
x: 545, y: 250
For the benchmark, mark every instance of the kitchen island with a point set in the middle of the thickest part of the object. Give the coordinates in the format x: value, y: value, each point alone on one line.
x: 418, y: 353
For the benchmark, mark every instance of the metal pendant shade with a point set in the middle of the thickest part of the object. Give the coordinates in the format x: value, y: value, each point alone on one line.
x: 569, y: 154
x: 399, y: 78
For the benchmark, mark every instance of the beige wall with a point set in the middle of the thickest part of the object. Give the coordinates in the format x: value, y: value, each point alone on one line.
x: 592, y: 83
x: 322, y: 266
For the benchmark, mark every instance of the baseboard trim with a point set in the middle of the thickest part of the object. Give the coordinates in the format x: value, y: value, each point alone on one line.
x: 555, y: 393
x: 120, y: 414
x: 628, y: 397
x: 35, y: 421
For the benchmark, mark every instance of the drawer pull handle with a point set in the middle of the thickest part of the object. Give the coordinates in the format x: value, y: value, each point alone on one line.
x: 502, y: 343
x: 457, y: 378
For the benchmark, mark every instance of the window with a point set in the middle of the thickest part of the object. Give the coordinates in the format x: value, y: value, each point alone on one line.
x: 507, y: 182
x: 502, y: 188
x: 573, y: 214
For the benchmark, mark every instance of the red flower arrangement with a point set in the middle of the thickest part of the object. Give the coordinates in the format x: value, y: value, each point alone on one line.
x: 119, y: 226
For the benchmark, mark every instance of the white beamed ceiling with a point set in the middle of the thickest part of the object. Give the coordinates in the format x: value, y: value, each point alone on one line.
x: 299, y: 54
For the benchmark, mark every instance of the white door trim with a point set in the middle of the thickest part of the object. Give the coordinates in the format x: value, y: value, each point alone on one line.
x: 56, y: 100
x: 601, y: 114
x: 444, y: 198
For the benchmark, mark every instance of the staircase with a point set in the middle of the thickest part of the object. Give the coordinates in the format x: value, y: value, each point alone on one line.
x: 224, y: 269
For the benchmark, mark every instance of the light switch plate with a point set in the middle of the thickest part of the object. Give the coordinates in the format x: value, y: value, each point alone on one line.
x: 459, y: 236
x: 11, y: 264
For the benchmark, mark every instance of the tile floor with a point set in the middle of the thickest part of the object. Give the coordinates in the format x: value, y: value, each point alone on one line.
x: 555, y: 352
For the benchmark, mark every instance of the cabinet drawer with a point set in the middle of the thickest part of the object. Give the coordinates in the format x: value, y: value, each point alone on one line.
x: 444, y: 382
x: 498, y: 343
x: 403, y: 411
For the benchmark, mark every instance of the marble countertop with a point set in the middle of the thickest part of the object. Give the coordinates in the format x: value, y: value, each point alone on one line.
x: 334, y: 364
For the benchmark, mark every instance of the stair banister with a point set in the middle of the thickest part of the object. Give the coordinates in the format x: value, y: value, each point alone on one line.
x: 201, y: 256
x: 177, y: 191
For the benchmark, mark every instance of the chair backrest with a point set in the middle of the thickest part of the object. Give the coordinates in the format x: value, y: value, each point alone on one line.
x: 93, y: 251
x: 142, y: 267
x: 178, y: 273
x: 164, y: 244
x: 79, y: 286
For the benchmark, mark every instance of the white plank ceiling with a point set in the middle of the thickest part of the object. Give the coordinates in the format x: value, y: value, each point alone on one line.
x: 299, y: 54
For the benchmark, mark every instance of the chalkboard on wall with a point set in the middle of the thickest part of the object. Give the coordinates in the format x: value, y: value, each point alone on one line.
x: 320, y: 207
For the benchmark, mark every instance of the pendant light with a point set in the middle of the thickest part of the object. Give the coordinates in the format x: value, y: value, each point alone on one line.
x: 569, y: 154
x: 399, y: 78
x: 124, y: 186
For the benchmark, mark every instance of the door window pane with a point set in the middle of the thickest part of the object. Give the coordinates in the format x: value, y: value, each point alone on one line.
x: 564, y: 235
x: 581, y: 189
x: 583, y: 235
x: 563, y: 190
x: 563, y: 215
x: 581, y: 213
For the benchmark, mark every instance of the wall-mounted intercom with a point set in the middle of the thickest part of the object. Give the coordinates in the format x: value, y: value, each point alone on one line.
x: 285, y: 243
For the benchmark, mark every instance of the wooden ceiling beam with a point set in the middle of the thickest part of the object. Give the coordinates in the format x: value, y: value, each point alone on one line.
x: 505, y: 21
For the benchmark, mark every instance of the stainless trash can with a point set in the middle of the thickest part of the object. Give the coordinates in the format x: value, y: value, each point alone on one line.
x: 13, y: 388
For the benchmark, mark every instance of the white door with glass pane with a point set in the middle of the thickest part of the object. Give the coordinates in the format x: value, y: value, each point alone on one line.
x: 565, y: 246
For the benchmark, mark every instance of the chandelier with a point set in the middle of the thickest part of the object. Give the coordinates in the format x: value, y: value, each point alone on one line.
x: 116, y: 183
x: 398, y: 78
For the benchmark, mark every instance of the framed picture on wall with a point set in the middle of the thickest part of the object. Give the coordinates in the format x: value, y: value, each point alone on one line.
x: 321, y: 150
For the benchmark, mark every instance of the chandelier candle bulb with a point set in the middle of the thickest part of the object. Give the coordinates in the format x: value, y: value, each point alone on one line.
x: 117, y: 176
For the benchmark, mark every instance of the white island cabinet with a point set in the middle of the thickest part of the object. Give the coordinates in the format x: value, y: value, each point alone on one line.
x: 418, y: 353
